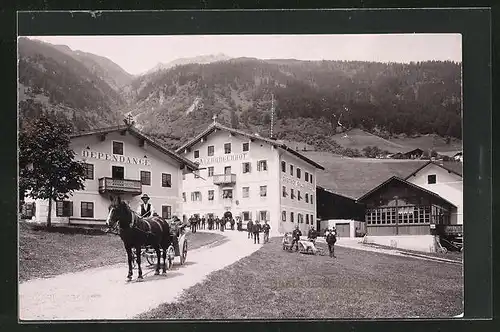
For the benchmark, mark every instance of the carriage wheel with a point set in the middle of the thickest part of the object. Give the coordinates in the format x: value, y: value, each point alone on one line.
x: 170, y: 256
x: 184, y: 252
x: 151, y: 257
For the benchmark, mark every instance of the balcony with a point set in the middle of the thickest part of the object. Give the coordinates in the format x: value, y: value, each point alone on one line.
x: 119, y: 186
x: 220, y: 179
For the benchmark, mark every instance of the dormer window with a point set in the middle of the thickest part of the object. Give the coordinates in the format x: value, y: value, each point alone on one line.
x: 118, y: 148
x: 227, y: 148
x: 431, y: 179
x: 246, y: 147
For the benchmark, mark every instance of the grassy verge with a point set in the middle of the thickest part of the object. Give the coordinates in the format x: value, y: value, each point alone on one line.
x: 46, y: 253
x: 274, y: 284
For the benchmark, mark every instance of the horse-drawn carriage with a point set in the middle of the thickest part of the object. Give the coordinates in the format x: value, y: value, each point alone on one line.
x: 177, y: 248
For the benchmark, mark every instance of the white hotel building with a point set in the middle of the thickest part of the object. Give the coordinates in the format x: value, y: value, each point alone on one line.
x: 252, y: 177
x: 120, y: 161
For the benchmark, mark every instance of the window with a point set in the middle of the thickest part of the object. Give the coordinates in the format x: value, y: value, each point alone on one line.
x: 298, y: 173
x: 307, y: 198
x: 89, y: 171
x: 117, y: 172
x: 246, y: 147
x: 291, y: 216
x: 196, y: 196
x: 312, y: 199
x: 263, y: 215
x: 262, y: 165
x: 146, y: 178
x: 227, y: 194
x: 197, y: 153
x: 246, y: 192
x: 311, y: 178
x: 306, y: 177
x: 263, y: 191
x: 246, y: 216
x: 166, y: 211
x: 210, y: 195
x: 28, y: 210
x: 300, y: 218
x: 184, y: 197
x: 431, y: 179
x: 64, y: 209
x: 166, y: 180
x: 299, y: 197
x: 283, y: 215
x: 87, y: 210
x: 117, y: 148
x: 210, y: 151
x: 246, y: 167
x: 307, y: 219
x: 227, y: 170
x: 312, y: 219
x: 196, y: 174
x: 284, y: 191
x: 227, y: 148
x: 291, y: 169
x: 210, y: 171
x: 292, y: 195
x: 283, y: 166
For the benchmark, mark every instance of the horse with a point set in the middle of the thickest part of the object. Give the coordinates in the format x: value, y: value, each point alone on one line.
x: 136, y: 232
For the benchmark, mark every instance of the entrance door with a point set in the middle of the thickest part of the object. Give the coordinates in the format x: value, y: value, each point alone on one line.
x: 117, y: 172
x: 343, y: 230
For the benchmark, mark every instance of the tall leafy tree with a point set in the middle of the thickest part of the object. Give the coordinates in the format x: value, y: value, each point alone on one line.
x: 47, y: 166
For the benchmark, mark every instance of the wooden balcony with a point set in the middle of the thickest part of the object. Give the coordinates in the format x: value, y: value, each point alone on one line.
x: 221, y: 179
x: 119, y: 186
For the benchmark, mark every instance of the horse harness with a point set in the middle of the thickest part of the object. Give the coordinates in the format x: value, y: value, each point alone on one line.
x: 133, y: 225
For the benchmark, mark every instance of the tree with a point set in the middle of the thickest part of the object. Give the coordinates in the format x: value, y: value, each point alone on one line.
x: 47, y: 167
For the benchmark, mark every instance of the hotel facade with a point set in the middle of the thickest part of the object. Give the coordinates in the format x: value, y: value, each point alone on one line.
x: 120, y: 161
x: 252, y: 177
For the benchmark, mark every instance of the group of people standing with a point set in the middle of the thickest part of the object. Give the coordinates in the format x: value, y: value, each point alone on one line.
x: 216, y: 223
x: 255, y: 228
x: 312, y: 235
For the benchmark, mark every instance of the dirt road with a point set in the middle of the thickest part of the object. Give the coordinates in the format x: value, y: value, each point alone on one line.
x: 104, y: 293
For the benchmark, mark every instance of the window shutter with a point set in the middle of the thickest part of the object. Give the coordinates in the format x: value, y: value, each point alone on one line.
x: 249, y: 167
x: 258, y: 166
x: 268, y: 217
x: 23, y: 209
x: 33, y: 208
x: 249, y: 215
x: 70, y: 208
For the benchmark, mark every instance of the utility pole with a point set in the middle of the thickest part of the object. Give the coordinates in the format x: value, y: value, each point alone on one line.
x: 272, y: 114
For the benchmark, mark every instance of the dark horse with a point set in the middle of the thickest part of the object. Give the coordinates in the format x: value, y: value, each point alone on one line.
x: 136, y: 232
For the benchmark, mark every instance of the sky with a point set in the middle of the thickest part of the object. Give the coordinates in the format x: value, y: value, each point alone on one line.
x: 138, y: 54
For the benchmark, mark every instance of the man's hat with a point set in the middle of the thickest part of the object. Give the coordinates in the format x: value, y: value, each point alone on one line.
x: 145, y: 196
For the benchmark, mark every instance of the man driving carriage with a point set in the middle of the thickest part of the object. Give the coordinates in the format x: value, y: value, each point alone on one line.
x: 145, y: 209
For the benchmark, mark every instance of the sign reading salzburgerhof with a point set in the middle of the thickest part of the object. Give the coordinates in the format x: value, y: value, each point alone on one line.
x: 288, y: 180
x: 116, y: 158
x: 216, y: 160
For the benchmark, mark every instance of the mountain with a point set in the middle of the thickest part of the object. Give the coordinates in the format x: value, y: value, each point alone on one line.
x: 314, y: 100
x: 201, y: 59
x: 105, y: 69
x: 333, y: 106
x: 51, y: 79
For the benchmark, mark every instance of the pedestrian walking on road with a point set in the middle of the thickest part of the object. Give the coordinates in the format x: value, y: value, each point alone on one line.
x: 217, y: 222
x: 296, y: 234
x: 203, y: 222
x: 192, y: 224
x: 222, y: 224
x: 331, y: 239
x: 256, y: 229
x: 249, y: 228
x: 232, y: 224
x: 265, y: 229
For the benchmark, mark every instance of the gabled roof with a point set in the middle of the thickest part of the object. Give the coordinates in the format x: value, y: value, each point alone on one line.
x: 214, y: 126
x: 414, y: 150
x: 334, y: 193
x: 451, y: 167
x: 139, y: 134
x: 409, y: 184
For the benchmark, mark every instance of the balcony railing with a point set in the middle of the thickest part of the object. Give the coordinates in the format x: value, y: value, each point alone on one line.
x: 224, y: 179
x: 449, y: 229
x: 120, y: 186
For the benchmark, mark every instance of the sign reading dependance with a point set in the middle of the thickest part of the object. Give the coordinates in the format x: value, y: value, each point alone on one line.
x: 116, y: 158
x: 221, y: 159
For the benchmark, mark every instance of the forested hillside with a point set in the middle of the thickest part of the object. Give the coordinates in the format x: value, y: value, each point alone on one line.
x: 55, y: 81
x: 314, y: 101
